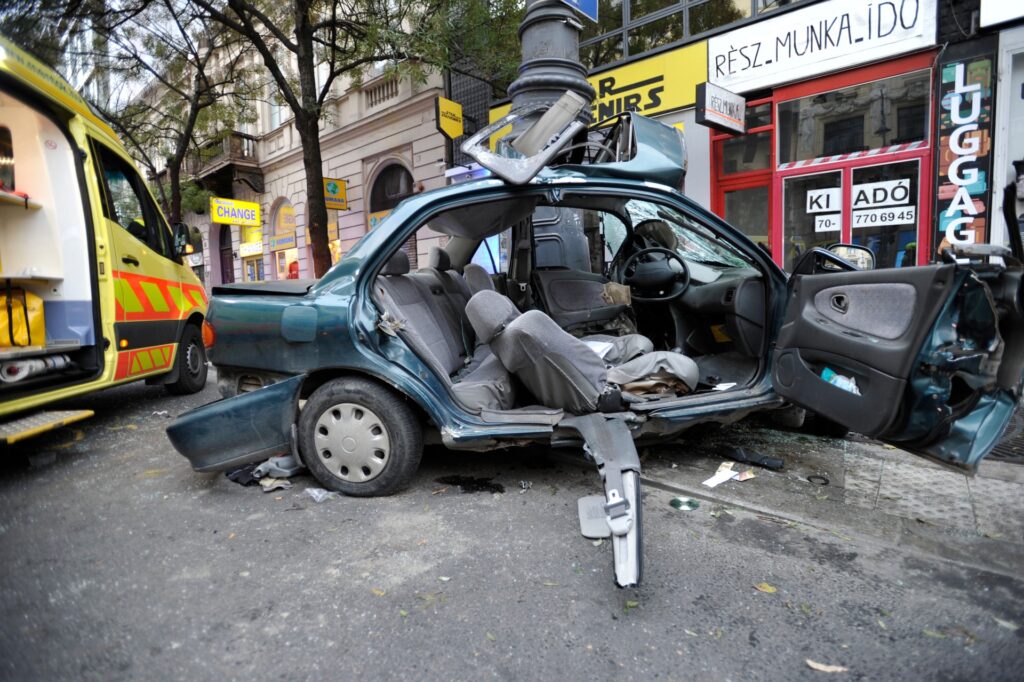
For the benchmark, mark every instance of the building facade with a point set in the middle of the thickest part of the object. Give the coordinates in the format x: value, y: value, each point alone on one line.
x: 378, y: 137
x: 887, y: 123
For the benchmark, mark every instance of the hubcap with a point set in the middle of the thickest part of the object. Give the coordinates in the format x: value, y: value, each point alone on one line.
x: 193, y: 359
x: 352, y: 442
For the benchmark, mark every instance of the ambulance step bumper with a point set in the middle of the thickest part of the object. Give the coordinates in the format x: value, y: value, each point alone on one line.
x: 40, y: 422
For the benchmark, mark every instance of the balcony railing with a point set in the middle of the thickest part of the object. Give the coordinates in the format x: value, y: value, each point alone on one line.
x: 234, y: 148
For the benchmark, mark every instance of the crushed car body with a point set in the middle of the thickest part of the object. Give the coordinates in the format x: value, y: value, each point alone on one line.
x: 584, y: 301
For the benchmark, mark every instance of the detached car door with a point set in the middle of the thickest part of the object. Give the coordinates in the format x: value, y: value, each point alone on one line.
x: 925, y: 358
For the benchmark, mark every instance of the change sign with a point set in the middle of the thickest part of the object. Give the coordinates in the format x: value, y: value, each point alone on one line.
x: 234, y: 212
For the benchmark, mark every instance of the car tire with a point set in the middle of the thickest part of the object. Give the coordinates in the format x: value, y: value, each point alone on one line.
x: 789, y: 417
x: 192, y: 365
x: 359, y: 438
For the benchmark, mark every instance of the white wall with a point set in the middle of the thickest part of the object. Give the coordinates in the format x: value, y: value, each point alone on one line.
x: 698, y: 152
x: 1008, y: 140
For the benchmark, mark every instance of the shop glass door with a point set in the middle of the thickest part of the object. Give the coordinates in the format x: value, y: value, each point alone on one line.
x: 812, y: 213
x: 884, y: 212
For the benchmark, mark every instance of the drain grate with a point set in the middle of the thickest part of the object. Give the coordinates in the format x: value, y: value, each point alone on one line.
x: 1011, y: 446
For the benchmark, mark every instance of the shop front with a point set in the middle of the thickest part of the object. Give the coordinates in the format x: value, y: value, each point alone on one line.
x: 283, y: 244
x: 845, y: 154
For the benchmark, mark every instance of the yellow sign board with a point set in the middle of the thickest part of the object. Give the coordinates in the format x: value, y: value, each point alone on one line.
x: 651, y: 86
x: 336, y: 194
x: 234, y: 212
x: 448, y: 117
x: 376, y: 218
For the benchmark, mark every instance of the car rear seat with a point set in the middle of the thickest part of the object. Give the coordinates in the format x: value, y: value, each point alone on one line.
x: 435, y: 327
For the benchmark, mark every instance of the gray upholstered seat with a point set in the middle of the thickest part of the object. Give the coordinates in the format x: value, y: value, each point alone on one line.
x: 477, y: 278
x: 427, y: 322
x: 560, y: 370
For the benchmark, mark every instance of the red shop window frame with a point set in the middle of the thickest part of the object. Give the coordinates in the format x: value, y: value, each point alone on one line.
x: 746, y: 180
x: 926, y: 190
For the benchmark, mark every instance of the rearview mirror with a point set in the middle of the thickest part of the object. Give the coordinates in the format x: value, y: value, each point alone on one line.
x: 187, y: 240
x: 861, y: 256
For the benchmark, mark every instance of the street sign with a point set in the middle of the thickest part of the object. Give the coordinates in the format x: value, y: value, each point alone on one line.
x: 234, y: 212
x: 335, y: 194
x: 721, y: 109
x: 448, y: 117
x: 587, y: 8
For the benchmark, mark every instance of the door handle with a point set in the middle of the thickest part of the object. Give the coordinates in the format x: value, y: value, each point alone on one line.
x: 840, y: 303
x: 130, y: 260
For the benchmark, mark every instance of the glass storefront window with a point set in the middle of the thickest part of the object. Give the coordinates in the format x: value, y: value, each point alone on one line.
x: 747, y: 209
x: 286, y: 262
x: 656, y: 33
x: 639, y: 8
x: 885, y: 212
x: 812, y: 213
x: 715, y: 13
x: 759, y: 115
x: 253, y: 269
x: 609, y: 15
x: 862, y: 117
x: 747, y: 153
x: 601, y: 52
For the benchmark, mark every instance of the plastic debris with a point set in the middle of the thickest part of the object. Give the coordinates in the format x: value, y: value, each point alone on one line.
x: 723, y: 387
x: 824, y: 667
x: 848, y: 384
x: 598, y: 542
x: 490, y: 637
x: 524, y: 486
x: 281, y: 466
x: 746, y: 475
x: 403, y: 613
x: 724, y: 473
x: 684, y: 503
x: 378, y: 592
x: 161, y: 413
x: 743, y: 457
x: 269, y: 485
x: 766, y: 588
x: 1008, y: 624
x: 320, y: 495
x: 631, y: 604
x: 443, y: 578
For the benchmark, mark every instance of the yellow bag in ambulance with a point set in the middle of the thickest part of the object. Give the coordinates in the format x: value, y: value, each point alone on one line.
x: 21, y: 318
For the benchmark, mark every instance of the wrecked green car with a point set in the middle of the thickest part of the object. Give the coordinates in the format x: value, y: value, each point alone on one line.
x: 581, y: 300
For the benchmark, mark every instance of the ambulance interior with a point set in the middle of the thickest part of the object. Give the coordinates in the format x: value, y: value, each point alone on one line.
x: 48, y: 311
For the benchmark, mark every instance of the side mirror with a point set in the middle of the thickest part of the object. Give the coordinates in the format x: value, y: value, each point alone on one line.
x: 187, y: 240
x: 861, y: 256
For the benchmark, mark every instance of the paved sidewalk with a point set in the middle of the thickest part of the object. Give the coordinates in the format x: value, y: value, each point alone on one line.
x: 861, y: 486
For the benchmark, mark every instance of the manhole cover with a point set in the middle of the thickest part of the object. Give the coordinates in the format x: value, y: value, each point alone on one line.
x: 1011, y: 446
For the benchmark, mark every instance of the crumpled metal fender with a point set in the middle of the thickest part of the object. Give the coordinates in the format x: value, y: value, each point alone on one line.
x: 249, y: 427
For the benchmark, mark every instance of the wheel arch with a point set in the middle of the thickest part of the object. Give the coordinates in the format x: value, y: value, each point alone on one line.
x: 319, y: 377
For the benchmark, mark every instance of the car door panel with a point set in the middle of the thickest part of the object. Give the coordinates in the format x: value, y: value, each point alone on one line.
x: 574, y: 298
x: 916, y: 351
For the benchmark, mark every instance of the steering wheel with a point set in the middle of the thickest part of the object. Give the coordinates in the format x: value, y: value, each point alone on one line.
x: 645, y: 276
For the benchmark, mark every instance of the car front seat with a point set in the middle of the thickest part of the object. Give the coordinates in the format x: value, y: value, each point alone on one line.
x: 560, y: 370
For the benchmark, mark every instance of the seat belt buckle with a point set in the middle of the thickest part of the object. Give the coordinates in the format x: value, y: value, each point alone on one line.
x: 617, y: 513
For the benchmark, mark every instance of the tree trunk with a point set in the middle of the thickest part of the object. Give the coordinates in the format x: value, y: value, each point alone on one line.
x: 174, y: 178
x: 316, y: 206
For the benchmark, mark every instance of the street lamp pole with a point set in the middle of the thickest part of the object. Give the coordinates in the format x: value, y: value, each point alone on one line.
x: 550, y: 36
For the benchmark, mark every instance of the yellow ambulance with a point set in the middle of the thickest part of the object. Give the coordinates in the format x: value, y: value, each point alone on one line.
x: 95, y: 286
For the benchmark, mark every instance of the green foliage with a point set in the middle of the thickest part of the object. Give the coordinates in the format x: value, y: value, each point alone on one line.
x: 194, y: 199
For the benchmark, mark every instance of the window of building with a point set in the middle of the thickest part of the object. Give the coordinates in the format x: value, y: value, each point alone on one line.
x: 627, y: 28
x: 871, y: 115
x: 393, y: 184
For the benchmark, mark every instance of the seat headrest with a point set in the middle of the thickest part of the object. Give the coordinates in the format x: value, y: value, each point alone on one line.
x: 477, y: 278
x: 398, y: 264
x: 659, y: 231
x: 489, y: 313
x: 439, y: 259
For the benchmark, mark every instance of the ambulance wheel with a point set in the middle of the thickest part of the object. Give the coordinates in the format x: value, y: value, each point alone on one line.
x: 360, y: 438
x: 192, y: 366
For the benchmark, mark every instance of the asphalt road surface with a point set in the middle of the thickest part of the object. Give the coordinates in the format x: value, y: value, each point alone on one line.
x: 120, y: 562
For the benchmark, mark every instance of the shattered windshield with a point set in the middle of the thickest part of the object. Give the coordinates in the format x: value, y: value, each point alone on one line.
x: 693, y: 240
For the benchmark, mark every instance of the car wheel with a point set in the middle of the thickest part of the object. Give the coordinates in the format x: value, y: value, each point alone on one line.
x: 192, y: 366
x: 359, y: 438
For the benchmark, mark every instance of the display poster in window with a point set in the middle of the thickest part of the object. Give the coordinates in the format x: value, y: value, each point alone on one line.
x: 964, y: 149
